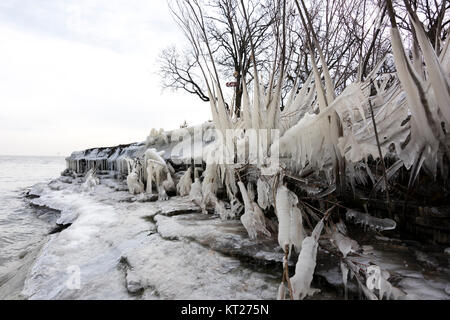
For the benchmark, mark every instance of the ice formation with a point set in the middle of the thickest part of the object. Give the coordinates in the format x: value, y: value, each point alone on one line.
x: 184, y: 185
x: 264, y: 193
x: 90, y: 181
x: 324, y: 136
x: 157, y: 169
x: 222, y: 211
x: 251, y: 191
x: 210, y: 184
x: 344, y: 271
x: 253, y: 218
x: 367, y: 220
x: 290, y: 227
x: 196, y: 192
x: 157, y: 137
x: 304, y: 269
x: 134, y: 183
x: 378, y: 279
x: 281, y: 295
x: 344, y: 244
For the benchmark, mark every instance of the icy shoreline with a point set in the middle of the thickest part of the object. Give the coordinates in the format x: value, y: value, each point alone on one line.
x: 124, y: 247
x: 120, y: 254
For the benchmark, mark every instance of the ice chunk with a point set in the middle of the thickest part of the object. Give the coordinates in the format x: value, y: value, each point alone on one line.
x: 344, y: 244
x: 368, y: 221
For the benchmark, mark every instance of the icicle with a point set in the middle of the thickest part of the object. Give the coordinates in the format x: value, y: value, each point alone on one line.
x: 423, y: 122
x: 253, y: 218
x: 150, y: 170
x: 251, y: 191
x: 297, y: 232
x: 344, y: 271
x: 215, y: 115
x: 260, y: 220
x: 284, y: 217
x: 196, y: 173
x: 389, y: 173
x: 256, y: 110
x: 247, y: 116
x: 297, y: 108
x: 162, y: 195
x: 263, y: 190
x: 249, y: 224
x: 210, y: 180
x: 290, y: 227
x: 437, y: 77
x: 247, y: 203
x: 319, y: 88
x: 281, y: 292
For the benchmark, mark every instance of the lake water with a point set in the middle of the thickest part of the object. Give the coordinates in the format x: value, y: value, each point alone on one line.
x: 21, y: 225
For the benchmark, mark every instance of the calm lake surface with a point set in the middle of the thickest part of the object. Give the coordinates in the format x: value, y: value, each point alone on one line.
x: 21, y: 225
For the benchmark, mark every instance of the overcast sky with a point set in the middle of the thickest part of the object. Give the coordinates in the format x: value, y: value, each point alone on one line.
x: 76, y: 74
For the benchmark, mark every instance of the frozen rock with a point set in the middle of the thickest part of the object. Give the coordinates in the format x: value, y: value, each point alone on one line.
x: 187, y: 270
x: 228, y: 237
x: 134, y: 284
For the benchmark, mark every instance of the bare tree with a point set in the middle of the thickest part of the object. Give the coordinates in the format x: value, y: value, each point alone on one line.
x: 349, y: 36
x: 179, y: 72
x: 435, y: 16
x: 222, y: 31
